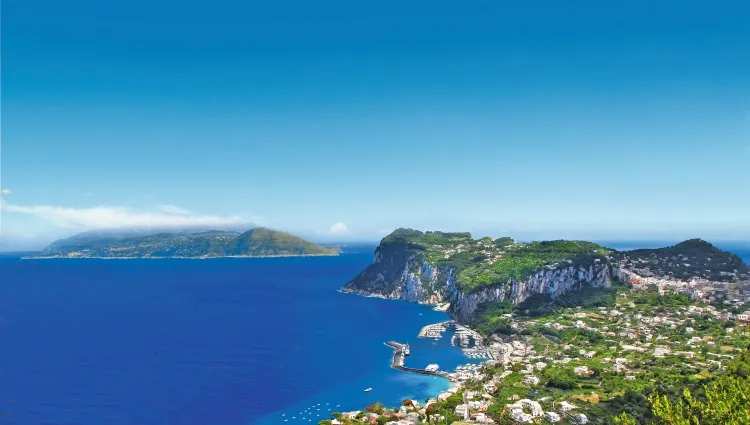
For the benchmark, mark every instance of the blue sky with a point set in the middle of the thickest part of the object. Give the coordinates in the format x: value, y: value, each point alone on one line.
x: 343, y: 120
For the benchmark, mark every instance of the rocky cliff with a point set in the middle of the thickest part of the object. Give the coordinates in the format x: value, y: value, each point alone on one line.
x: 553, y: 281
x: 421, y: 268
x: 415, y: 280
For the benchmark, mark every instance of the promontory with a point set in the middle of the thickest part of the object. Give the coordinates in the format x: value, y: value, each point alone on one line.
x: 475, y: 275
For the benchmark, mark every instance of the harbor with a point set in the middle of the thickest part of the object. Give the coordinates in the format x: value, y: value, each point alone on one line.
x: 400, y: 351
x: 468, y: 340
x: 435, y: 330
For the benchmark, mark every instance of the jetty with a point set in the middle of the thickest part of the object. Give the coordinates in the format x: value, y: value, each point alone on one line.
x: 400, y: 351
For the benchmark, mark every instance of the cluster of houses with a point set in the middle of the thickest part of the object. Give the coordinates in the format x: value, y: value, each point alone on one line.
x: 528, y: 411
x: 626, y: 330
x: 698, y: 289
x: 511, y: 352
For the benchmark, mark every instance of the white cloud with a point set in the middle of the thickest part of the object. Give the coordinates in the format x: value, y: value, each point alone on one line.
x: 171, y: 209
x: 338, y: 229
x: 5, y: 192
x: 113, y: 217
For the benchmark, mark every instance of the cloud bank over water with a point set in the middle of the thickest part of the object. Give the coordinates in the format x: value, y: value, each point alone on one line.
x: 121, y: 217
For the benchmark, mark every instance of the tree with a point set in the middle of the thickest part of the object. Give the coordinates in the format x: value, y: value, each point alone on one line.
x: 624, y: 419
x: 430, y: 411
x: 725, y: 401
x: 454, y: 400
x: 559, y: 378
x: 498, y: 413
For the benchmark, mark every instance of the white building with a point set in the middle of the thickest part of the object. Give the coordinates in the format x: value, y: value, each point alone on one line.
x: 462, y: 410
x: 531, y: 380
x: 581, y: 419
x: 519, y: 415
x: 581, y: 370
x: 619, y: 367
x: 661, y: 350
x: 566, y: 406
x: 525, y: 410
x: 534, y: 408
x: 552, y: 417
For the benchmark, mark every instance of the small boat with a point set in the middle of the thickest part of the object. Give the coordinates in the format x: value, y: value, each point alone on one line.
x: 368, y: 390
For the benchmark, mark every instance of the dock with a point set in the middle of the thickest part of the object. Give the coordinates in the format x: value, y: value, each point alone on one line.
x: 400, y: 351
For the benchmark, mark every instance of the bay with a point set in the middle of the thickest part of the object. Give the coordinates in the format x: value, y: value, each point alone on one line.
x: 219, y: 341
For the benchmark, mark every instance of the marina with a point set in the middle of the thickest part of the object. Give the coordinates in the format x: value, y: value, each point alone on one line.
x: 468, y: 340
x: 435, y: 330
x: 399, y: 354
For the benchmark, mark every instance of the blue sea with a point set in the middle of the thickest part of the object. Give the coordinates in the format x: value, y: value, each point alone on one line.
x: 209, y: 342
x: 220, y: 341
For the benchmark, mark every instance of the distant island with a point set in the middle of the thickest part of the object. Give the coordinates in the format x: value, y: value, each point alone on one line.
x: 257, y: 242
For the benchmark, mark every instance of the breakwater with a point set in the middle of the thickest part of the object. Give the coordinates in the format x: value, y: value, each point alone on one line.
x: 400, y: 351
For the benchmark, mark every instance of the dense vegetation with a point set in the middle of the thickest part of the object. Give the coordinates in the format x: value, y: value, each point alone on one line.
x: 256, y: 242
x: 486, y: 262
x: 723, y: 400
x: 522, y: 260
x: 488, y: 318
x: 264, y: 242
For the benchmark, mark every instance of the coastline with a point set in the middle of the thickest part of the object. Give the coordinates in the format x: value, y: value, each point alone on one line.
x: 449, y: 376
x: 175, y: 258
x: 412, y: 374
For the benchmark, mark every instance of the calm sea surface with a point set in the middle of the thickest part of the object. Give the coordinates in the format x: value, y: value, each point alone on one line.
x: 223, y: 341
x: 209, y: 342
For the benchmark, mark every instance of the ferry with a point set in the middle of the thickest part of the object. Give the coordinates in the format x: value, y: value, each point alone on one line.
x: 368, y: 390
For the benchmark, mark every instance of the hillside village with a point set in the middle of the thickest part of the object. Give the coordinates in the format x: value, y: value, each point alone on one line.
x: 587, y: 364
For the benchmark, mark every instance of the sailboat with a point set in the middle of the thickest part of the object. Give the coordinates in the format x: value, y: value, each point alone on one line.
x: 368, y: 390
